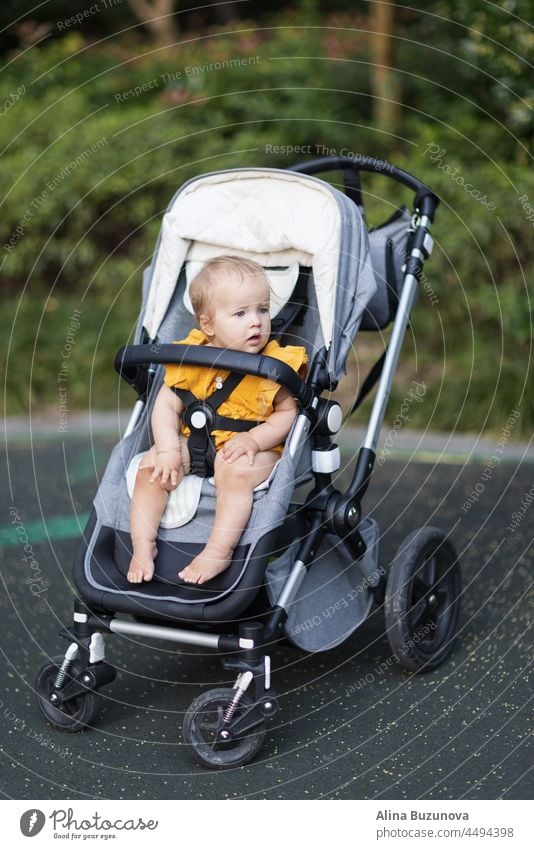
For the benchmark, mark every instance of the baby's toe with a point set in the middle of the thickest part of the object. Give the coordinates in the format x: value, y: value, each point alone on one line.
x: 189, y: 576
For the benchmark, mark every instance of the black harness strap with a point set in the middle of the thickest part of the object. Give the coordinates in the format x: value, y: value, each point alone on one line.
x: 202, y: 419
x: 369, y: 382
x: 216, y: 398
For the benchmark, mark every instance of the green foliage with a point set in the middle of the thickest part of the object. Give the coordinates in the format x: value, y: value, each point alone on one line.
x: 97, y: 139
x: 498, y: 41
x: 45, y: 352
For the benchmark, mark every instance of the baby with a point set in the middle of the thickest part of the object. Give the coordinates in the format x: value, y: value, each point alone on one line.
x: 230, y: 297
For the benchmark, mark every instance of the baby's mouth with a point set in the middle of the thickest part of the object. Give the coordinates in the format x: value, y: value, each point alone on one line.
x: 253, y: 340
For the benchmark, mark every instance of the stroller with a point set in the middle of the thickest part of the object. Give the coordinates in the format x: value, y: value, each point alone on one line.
x: 304, y: 572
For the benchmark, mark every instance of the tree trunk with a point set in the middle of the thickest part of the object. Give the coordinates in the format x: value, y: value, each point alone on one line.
x: 157, y: 16
x: 385, y: 87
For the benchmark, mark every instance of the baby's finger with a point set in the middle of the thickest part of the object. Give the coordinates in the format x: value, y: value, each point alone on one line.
x: 235, y: 455
x: 250, y: 455
x: 155, y: 475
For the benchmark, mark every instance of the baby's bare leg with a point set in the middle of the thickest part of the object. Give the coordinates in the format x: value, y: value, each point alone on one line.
x: 149, y: 501
x: 235, y: 483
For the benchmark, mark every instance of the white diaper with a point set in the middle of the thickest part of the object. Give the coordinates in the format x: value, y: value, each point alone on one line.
x: 182, y: 502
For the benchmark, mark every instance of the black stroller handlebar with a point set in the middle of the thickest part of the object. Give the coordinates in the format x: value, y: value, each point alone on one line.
x: 233, y: 361
x: 359, y: 162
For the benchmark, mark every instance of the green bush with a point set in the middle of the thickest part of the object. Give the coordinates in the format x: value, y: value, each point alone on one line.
x: 90, y: 167
x: 96, y: 140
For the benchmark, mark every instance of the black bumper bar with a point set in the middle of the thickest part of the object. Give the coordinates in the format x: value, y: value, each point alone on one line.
x: 222, y: 358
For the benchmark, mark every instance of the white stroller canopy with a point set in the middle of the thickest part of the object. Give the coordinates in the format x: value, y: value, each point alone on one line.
x: 274, y: 217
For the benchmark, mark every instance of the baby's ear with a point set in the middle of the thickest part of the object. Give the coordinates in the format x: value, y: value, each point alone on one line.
x: 206, y: 324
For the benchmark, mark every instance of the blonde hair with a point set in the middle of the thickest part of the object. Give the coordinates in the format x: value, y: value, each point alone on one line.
x: 202, y: 285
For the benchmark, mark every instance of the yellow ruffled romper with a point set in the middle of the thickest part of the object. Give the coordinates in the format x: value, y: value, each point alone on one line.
x: 251, y: 400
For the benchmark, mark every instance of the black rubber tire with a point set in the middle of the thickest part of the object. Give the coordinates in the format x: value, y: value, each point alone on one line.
x: 422, y: 600
x: 74, y: 715
x: 200, y: 721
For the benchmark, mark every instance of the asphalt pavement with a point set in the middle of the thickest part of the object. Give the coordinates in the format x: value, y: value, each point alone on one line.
x: 351, y: 724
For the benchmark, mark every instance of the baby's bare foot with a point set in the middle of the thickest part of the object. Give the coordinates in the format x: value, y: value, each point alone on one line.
x: 206, y: 565
x: 142, y: 562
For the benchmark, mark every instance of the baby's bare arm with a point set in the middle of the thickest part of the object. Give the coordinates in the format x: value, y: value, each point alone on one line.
x: 165, y: 428
x: 265, y: 436
x: 273, y: 431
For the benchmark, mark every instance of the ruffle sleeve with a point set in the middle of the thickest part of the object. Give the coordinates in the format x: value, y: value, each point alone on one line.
x: 179, y: 375
x: 293, y: 355
x: 266, y: 390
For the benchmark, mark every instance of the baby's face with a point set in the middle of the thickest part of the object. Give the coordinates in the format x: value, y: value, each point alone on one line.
x: 239, y: 314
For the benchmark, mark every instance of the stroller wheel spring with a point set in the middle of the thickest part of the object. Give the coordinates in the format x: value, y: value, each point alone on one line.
x: 70, y: 654
x: 240, y: 686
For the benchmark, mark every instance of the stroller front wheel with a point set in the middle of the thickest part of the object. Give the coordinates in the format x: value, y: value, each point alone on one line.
x: 73, y: 714
x: 422, y: 600
x: 203, y: 722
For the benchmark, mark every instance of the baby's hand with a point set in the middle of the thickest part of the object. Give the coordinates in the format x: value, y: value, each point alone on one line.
x: 168, y: 464
x: 241, y: 443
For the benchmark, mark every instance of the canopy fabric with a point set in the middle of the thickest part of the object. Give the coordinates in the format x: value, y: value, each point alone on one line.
x: 275, y: 217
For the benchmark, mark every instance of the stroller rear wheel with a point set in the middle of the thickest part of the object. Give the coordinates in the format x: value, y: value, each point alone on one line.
x: 422, y: 600
x: 72, y: 715
x: 203, y: 721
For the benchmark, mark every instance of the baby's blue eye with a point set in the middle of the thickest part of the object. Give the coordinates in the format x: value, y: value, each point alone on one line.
x: 264, y: 309
x: 240, y: 313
